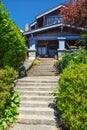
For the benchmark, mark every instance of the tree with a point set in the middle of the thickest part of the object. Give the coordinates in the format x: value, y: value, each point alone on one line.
x: 75, y: 13
x: 12, y: 42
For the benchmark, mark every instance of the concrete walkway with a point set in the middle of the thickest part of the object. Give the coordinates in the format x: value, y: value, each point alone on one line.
x: 36, y: 108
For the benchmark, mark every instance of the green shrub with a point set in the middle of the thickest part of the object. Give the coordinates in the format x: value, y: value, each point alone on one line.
x: 10, y: 113
x: 12, y: 43
x: 77, y: 57
x: 7, y: 76
x: 36, y: 62
x: 71, y: 96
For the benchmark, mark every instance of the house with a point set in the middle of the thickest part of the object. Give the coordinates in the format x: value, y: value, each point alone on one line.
x: 48, y: 36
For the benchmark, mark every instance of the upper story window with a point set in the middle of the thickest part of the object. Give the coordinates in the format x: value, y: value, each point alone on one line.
x: 54, y: 20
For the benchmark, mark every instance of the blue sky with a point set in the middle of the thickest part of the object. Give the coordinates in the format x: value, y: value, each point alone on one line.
x: 24, y: 11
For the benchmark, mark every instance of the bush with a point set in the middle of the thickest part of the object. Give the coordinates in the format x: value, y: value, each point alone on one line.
x: 71, y: 96
x: 7, y: 76
x: 10, y: 113
x: 12, y: 43
x: 77, y: 57
x: 36, y: 62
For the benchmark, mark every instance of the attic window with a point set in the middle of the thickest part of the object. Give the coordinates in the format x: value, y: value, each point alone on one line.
x: 54, y: 20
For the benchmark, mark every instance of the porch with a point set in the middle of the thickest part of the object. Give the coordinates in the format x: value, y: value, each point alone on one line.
x: 46, y: 48
x: 50, y: 46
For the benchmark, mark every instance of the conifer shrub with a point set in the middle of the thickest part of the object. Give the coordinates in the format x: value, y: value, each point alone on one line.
x: 71, y: 96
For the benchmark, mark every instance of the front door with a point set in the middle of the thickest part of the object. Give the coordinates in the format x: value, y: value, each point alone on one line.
x: 42, y: 51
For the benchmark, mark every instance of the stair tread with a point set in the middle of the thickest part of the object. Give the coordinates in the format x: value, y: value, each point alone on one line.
x: 36, y: 109
x: 36, y: 117
x: 35, y: 102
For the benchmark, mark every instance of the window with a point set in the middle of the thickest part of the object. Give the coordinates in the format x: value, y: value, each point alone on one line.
x: 54, y: 20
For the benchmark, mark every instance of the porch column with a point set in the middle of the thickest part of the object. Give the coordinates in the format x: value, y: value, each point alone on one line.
x: 61, y: 49
x: 32, y: 48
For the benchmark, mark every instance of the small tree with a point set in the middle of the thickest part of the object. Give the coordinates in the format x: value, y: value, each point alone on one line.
x: 12, y: 42
x: 75, y: 13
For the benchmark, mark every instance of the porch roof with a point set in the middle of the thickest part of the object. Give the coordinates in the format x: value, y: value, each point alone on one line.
x: 56, y: 37
x: 53, y: 26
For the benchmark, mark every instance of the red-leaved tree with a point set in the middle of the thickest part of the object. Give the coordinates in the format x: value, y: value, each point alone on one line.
x: 75, y: 13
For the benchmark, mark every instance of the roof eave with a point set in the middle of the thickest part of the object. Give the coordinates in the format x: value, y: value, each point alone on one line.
x: 53, y: 26
x: 49, y: 11
x: 42, y: 29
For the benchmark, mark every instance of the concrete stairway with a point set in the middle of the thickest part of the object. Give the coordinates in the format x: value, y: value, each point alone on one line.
x: 37, y: 106
x: 44, y: 69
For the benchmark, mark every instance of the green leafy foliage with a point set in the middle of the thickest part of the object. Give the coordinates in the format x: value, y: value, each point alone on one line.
x: 7, y: 76
x: 7, y: 97
x: 83, y: 41
x: 10, y: 113
x: 36, y: 62
x: 77, y: 57
x: 71, y: 96
x: 12, y: 42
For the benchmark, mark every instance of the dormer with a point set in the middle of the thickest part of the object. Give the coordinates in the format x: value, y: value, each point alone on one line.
x: 49, y: 17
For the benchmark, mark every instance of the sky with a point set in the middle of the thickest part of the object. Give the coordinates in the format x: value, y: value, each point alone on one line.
x: 23, y: 12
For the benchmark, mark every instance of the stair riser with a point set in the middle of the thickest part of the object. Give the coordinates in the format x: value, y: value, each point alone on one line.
x: 43, y: 70
x: 45, y: 113
x: 40, y: 74
x: 35, y: 105
x: 37, y: 83
x: 36, y: 99
x: 33, y: 89
x: 34, y: 94
x: 37, y: 122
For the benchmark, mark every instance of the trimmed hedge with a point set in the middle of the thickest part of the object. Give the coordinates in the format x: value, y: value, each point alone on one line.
x: 71, y: 98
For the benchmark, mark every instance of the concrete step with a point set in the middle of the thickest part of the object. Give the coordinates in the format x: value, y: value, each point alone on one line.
x: 36, y: 84
x: 40, y: 74
x: 33, y: 104
x: 38, y: 81
x: 36, y: 119
x: 37, y: 98
x: 42, y: 69
x: 43, y: 66
x: 35, y: 93
x: 23, y: 126
x: 40, y: 78
x: 33, y: 88
x: 37, y: 111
